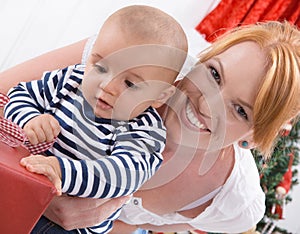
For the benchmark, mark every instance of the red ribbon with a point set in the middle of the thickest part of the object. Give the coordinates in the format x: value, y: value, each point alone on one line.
x: 14, y: 136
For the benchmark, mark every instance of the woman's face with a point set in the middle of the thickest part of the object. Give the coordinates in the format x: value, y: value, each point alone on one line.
x: 213, y: 106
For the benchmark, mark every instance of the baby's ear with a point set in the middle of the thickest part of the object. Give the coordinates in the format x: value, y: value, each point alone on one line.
x: 164, y: 96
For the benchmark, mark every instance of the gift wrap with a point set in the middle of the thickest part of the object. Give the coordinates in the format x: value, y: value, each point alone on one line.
x: 24, y: 196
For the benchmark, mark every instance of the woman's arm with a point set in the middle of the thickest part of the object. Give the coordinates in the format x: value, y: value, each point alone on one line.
x: 75, y: 212
x: 121, y: 227
x: 34, y: 68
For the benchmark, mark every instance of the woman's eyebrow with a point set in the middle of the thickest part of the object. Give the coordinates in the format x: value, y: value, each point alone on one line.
x: 244, y: 103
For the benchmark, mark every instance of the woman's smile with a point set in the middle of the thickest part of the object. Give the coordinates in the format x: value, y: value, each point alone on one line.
x: 194, y: 119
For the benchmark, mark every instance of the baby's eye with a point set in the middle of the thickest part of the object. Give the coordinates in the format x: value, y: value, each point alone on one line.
x: 100, y: 69
x: 215, y: 74
x: 241, y: 111
x: 130, y: 84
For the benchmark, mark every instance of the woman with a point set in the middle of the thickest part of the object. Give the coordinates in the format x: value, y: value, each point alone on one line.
x: 209, y: 179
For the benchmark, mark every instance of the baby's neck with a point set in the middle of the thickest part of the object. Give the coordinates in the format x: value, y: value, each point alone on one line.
x: 162, y: 110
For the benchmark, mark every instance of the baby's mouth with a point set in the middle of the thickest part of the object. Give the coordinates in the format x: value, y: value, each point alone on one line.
x: 103, y: 104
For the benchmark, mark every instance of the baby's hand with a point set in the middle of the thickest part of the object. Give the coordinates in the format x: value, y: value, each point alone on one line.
x: 48, y: 166
x: 42, y: 128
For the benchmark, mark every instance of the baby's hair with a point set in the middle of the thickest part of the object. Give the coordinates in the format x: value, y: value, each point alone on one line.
x: 146, y: 25
x: 278, y: 97
x: 151, y: 24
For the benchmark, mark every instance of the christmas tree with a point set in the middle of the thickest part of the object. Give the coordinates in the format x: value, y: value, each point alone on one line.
x: 278, y: 176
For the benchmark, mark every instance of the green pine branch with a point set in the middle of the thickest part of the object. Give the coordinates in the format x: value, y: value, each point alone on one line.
x: 272, y: 171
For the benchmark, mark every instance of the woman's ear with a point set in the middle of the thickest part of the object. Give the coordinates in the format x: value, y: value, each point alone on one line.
x: 246, y: 144
x: 164, y: 96
x: 247, y: 141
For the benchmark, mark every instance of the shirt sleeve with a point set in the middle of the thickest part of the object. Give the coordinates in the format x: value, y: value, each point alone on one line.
x: 26, y: 102
x: 134, y: 158
x: 30, y: 99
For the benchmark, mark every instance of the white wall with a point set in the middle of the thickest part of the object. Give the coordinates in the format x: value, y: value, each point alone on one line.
x: 32, y: 27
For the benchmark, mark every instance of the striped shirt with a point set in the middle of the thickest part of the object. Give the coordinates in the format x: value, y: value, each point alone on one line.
x: 99, y: 158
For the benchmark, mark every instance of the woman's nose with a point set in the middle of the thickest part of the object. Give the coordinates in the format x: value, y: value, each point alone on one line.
x: 212, y: 104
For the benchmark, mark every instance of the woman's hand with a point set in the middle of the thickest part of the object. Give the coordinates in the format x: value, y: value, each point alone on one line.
x: 75, y: 212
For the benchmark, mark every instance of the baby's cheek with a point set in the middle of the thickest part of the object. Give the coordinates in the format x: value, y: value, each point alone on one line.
x: 129, y: 106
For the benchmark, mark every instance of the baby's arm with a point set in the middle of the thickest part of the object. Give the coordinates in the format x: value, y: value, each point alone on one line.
x: 135, y: 157
x: 27, y: 108
x: 32, y: 103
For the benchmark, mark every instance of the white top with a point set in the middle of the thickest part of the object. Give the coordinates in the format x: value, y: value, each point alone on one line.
x: 238, y: 206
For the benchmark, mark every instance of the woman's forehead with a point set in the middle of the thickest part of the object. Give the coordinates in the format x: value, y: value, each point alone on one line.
x: 247, y: 52
x: 244, y: 61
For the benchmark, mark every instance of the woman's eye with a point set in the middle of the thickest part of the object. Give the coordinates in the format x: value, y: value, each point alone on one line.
x: 130, y: 84
x: 215, y: 74
x: 241, y: 111
x: 100, y: 68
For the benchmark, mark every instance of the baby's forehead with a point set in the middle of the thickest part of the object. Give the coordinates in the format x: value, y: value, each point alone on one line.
x: 155, y: 73
x: 146, y: 55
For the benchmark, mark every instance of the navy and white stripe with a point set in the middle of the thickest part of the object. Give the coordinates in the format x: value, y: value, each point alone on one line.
x: 99, y: 158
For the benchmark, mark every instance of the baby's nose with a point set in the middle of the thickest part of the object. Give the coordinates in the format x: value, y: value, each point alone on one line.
x: 111, y: 86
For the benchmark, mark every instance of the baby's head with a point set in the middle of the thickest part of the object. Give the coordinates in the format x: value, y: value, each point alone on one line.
x: 137, y: 56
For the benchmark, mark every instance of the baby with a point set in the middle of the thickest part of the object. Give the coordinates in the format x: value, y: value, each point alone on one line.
x: 104, y: 111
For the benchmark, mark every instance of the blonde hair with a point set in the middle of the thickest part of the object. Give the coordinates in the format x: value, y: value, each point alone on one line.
x: 278, y: 97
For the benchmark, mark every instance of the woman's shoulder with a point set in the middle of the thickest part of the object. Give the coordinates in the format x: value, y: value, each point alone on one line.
x: 241, y: 202
x: 242, y: 190
x: 244, y: 170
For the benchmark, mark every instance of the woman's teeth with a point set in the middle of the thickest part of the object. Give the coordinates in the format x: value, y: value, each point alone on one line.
x: 192, y: 118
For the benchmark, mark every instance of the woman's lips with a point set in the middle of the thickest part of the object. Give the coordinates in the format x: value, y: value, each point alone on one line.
x: 194, y: 119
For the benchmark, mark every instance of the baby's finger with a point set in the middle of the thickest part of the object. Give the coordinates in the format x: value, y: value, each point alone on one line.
x: 31, y: 136
x: 49, y: 134
x: 47, y: 170
x: 32, y: 159
x: 55, y: 127
x: 40, y: 166
x: 40, y: 133
x: 57, y: 184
